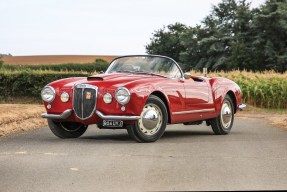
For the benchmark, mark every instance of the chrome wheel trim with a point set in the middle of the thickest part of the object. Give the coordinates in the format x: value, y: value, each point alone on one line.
x: 150, y: 120
x: 226, y: 114
x: 71, y: 130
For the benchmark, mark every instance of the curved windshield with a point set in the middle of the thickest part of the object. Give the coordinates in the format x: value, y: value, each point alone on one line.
x: 145, y: 65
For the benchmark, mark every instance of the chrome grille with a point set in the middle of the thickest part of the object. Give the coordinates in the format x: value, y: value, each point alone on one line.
x: 84, y: 100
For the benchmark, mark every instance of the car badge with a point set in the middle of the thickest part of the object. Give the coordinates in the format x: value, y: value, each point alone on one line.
x: 88, y: 95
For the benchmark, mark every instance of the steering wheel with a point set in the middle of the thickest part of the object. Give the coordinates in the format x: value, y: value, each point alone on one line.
x: 127, y: 67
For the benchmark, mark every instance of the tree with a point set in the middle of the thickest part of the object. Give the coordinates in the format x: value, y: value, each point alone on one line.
x: 270, y: 36
x: 232, y: 36
x: 220, y: 43
x: 166, y: 41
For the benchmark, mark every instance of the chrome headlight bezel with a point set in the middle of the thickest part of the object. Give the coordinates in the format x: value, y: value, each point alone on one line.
x: 65, y: 97
x: 108, y: 98
x: 48, y: 90
x: 123, y: 95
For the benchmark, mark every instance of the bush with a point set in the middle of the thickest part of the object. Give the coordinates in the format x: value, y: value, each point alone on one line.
x: 29, y: 83
x: 18, y: 81
x: 101, y: 65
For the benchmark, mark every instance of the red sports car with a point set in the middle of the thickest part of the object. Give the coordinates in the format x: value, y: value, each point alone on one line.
x: 143, y: 94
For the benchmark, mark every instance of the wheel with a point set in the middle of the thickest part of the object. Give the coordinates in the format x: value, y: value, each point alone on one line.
x: 132, y: 134
x: 152, y: 123
x: 222, y: 124
x: 67, y: 129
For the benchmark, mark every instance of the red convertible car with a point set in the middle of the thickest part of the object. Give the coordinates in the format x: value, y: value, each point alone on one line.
x: 143, y: 94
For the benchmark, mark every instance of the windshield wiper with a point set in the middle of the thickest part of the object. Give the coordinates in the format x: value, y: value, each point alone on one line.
x: 140, y: 72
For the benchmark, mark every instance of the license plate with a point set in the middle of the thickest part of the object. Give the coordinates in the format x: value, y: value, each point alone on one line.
x: 112, y: 123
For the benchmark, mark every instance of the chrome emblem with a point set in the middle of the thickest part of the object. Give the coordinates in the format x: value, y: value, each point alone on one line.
x: 88, y: 95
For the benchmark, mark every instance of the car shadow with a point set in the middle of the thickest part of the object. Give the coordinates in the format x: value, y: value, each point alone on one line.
x: 183, y: 133
x: 169, y: 135
x: 115, y: 137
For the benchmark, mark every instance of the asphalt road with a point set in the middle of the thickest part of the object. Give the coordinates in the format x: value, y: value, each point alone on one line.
x: 252, y: 157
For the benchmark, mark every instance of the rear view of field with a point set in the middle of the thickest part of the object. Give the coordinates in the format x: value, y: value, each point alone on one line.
x: 55, y: 59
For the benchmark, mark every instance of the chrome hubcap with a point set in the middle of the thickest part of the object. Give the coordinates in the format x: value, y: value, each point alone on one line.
x: 151, y: 119
x: 226, y: 114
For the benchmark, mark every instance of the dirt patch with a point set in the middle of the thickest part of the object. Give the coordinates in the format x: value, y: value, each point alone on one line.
x: 278, y: 120
x: 20, y: 117
x: 55, y: 59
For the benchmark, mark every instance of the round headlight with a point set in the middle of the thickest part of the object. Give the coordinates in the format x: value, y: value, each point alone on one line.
x: 123, y: 95
x: 48, y: 94
x: 107, y: 98
x: 65, y: 97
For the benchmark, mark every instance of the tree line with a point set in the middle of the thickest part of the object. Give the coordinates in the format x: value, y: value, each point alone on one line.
x: 232, y: 36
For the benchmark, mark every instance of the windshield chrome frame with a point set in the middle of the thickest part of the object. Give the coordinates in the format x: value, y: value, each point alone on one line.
x: 111, y: 65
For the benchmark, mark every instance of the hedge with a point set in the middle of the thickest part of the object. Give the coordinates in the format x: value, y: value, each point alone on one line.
x: 29, y: 83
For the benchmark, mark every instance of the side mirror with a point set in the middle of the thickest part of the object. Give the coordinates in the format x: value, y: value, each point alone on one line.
x: 187, y: 75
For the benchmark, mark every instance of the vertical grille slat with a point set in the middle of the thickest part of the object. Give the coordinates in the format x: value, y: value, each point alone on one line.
x: 84, y: 100
x: 78, y: 102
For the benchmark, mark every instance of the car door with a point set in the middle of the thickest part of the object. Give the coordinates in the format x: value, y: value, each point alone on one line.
x: 197, y: 95
x: 197, y: 99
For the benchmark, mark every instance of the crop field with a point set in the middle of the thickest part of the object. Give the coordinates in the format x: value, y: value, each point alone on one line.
x: 55, y: 59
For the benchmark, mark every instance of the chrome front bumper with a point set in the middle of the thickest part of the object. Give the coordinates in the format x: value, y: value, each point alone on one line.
x: 68, y: 113
x: 63, y: 115
x: 116, y: 117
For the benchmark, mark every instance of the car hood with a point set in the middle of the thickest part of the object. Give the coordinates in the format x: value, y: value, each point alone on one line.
x: 113, y: 80
x: 120, y: 79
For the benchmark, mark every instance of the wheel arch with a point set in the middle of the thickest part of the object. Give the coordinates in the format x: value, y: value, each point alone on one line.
x: 233, y: 98
x: 165, y: 101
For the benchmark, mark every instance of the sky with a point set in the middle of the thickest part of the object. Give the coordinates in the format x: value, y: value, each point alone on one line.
x: 92, y: 27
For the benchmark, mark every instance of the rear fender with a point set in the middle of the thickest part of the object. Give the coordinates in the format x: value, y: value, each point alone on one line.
x: 220, y: 88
